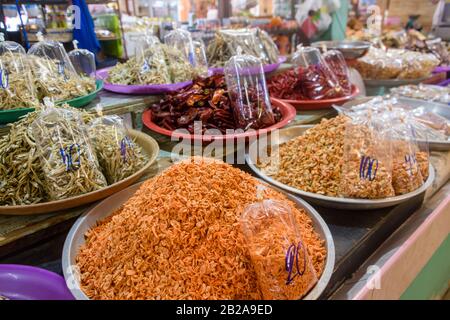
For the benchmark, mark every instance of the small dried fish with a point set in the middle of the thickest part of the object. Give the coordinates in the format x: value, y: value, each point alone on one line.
x: 118, y: 155
x: 68, y: 160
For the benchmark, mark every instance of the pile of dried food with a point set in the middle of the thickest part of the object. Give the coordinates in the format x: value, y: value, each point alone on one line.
x: 254, y: 42
x: 314, y: 77
x: 356, y: 155
x: 206, y: 100
x: 49, y: 155
x: 158, y: 64
x: 180, y: 237
x: 379, y: 64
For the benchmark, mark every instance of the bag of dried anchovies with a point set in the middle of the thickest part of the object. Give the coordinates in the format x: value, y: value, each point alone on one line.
x: 119, y: 156
x: 367, y: 159
x: 67, y: 157
x: 278, y: 254
x: 17, y: 89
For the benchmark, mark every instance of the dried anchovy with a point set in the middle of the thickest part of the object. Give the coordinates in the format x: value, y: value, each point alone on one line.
x: 43, y: 82
x: 159, y: 65
x: 67, y: 158
x: 253, y: 42
x: 21, y: 177
x: 118, y: 155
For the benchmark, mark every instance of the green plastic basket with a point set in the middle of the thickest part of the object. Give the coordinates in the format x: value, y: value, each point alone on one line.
x: 8, y: 116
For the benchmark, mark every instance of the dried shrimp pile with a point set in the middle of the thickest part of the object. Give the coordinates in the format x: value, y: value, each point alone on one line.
x: 179, y: 237
x: 158, y: 64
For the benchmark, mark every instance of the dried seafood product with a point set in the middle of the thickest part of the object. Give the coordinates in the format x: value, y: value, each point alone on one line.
x: 118, y: 155
x: 189, y: 214
x: 68, y: 160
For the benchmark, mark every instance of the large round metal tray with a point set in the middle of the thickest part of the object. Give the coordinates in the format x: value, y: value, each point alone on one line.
x: 327, y: 201
x: 350, y: 49
x: 75, y: 239
x: 148, y: 145
x: 439, y: 108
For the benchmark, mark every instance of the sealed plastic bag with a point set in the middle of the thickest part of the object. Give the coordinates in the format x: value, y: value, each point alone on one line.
x: 17, y: 89
x: 277, y: 251
x: 83, y: 61
x: 337, y: 64
x: 68, y: 159
x: 317, y: 78
x: 192, y: 50
x: 248, y: 94
x: 410, y: 157
x: 55, y: 75
x: 119, y: 156
x: 367, y: 159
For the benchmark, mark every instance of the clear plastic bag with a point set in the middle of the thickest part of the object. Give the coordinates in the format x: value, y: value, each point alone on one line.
x: 424, y: 92
x: 409, y: 157
x: 119, y: 156
x: 68, y: 159
x: 151, y: 67
x: 367, y: 159
x: 337, y: 64
x: 55, y: 75
x: 83, y: 61
x: 17, y: 89
x: 248, y: 93
x: 278, y: 254
x: 318, y: 80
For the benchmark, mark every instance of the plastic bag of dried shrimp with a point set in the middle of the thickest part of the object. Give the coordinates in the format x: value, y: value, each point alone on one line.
x: 67, y: 156
x: 17, y: 88
x: 410, y: 156
x: 248, y: 93
x: 119, y: 156
x: 277, y: 251
x: 367, y: 157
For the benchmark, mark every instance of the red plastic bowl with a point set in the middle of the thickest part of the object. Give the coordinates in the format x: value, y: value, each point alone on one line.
x: 288, y: 113
x: 321, y: 104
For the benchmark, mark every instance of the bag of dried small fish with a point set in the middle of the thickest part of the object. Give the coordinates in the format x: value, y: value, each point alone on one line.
x: 67, y: 157
x: 367, y: 158
x: 277, y: 251
x: 119, y: 156
x: 55, y: 76
x: 410, y: 158
x: 17, y: 88
x: 193, y: 51
x: 248, y: 93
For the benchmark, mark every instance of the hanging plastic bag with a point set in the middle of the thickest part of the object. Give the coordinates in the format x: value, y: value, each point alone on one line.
x: 277, y: 251
x: 248, y: 94
x: 119, y: 156
x: 319, y: 81
x: 367, y: 159
x: 17, y: 88
x: 337, y: 64
x: 68, y: 159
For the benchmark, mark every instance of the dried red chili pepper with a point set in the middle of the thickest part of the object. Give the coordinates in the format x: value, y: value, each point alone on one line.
x: 206, y: 100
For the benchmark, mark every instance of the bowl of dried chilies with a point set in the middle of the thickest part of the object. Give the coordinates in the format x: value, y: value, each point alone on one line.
x: 60, y: 158
x: 204, y: 111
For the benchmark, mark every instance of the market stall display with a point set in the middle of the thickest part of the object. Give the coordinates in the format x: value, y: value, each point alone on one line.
x: 316, y: 81
x: 48, y: 161
x: 365, y: 153
x: 212, y: 183
x: 253, y: 42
